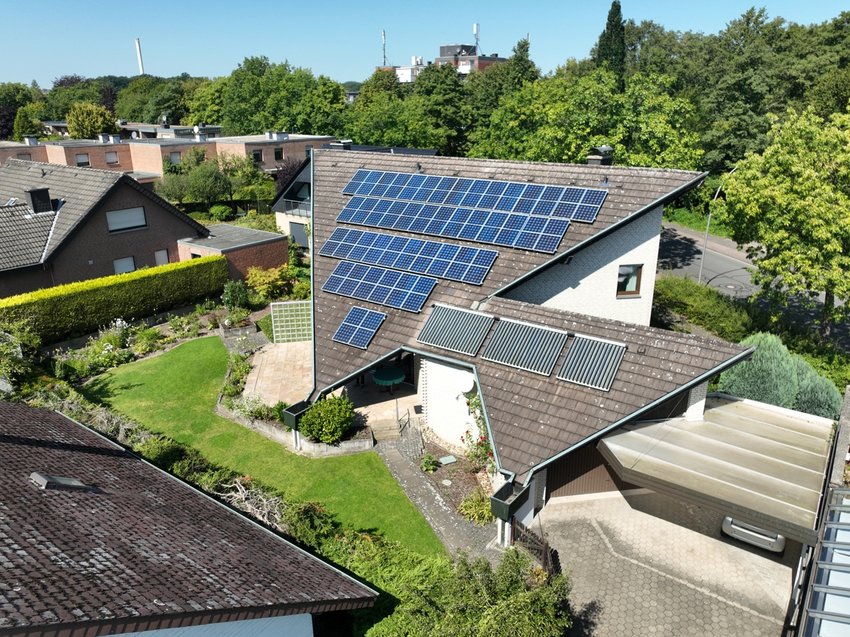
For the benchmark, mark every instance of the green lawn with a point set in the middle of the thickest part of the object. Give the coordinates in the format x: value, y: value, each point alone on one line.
x: 175, y: 394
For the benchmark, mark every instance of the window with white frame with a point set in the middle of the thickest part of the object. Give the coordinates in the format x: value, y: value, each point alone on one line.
x: 126, y: 219
x: 174, y: 157
x: 122, y: 266
x: 257, y: 155
x: 26, y: 156
x: 111, y: 157
x: 82, y: 160
x: 278, y: 154
x: 628, y: 280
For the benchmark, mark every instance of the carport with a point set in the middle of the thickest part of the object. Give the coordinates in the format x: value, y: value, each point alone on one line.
x: 761, y: 464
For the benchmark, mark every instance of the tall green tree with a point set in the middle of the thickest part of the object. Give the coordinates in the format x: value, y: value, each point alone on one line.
x: 13, y: 96
x: 322, y: 110
x: 442, y: 96
x: 790, y: 207
x: 610, y: 50
x: 86, y: 120
x: 28, y: 121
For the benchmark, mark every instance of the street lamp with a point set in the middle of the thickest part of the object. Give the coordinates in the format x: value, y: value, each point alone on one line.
x: 708, y: 224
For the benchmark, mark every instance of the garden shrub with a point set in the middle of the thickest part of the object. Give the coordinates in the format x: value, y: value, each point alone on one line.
x: 328, y: 420
x: 18, y: 347
x: 770, y: 376
x: 476, y: 508
x: 220, y: 212
x: 235, y: 295
x: 815, y: 394
x: 428, y: 463
x: 234, y: 383
x: 80, y: 308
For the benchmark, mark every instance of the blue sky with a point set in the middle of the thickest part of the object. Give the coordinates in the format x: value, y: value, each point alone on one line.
x: 341, y: 39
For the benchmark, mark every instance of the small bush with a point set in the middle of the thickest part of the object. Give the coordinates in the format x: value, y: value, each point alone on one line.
x: 428, y: 463
x: 478, y: 450
x: 476, y: 508
x: 145, y: 340
x: 240, y: 367
x: 221, y: 212
x: 187, y: 326
x: 328, y: 420
x: 235, y: 295
x: 770, y: 376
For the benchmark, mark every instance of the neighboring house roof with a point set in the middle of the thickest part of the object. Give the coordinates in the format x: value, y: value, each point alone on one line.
x: 135, y: 548
x: 23, y: 235
x: 225, y: 237
x: 80, y: 191
x: 532, y: 417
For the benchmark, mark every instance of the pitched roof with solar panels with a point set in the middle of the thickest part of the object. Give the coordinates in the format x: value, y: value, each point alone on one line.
x: 426, y: 244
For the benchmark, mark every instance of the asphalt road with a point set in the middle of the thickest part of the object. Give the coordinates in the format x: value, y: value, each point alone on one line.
x: 725, y: 268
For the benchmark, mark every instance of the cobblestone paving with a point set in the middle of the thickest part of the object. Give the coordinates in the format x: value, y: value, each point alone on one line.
x: 635, y: 573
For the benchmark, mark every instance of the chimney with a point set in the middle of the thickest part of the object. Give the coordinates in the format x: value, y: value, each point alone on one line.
x: 30, y: 140
x: 39, y: 199
x: 103, y: 138
x: 601, y: 156
x: 115, y: 139
x: 343, y: 144
x: 200, y: 137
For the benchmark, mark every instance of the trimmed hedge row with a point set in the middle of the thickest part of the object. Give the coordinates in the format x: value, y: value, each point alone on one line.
x: 79, y: 308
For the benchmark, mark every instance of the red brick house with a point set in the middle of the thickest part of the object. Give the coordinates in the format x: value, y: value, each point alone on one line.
x: 60, y: 224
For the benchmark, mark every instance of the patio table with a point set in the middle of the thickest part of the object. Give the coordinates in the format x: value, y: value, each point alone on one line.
x: 388, y: 376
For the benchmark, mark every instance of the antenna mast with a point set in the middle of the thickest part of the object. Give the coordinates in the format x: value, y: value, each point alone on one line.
x: 139, y: 56
x: 477, y: 34
x: 384, y: 45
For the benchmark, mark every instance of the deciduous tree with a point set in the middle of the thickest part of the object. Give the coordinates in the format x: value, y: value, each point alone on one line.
x: 86, y: 120
x: 790, y: 207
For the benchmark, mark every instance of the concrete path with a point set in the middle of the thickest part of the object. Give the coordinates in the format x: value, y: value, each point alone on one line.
x: 650, y: 565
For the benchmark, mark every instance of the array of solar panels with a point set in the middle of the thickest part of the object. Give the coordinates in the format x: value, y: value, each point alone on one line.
x: 444, y: 260
x: 380, y: 285
x: 519, y: 215
x: 359, y: 327
x: 589, y: 361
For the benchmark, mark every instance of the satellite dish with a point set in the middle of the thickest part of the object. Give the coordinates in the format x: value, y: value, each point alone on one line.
x: 467, y: 383
x: 196, y: 129
x: 135, y: 134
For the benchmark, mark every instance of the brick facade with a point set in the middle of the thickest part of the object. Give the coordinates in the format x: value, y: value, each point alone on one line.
x: 264, y: 255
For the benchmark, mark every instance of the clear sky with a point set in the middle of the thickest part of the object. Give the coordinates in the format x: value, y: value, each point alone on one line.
x: 341, y: 39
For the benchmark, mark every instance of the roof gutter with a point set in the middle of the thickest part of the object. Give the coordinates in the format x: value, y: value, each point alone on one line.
x: 599, y: 434
x: 661, y: 201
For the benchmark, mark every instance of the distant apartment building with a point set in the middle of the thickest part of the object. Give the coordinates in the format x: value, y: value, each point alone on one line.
x: 466, y: 58
x: 408, y: 74
x: 142, y: 157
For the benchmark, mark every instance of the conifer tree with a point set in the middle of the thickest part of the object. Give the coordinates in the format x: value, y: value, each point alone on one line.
x: 610, y: 49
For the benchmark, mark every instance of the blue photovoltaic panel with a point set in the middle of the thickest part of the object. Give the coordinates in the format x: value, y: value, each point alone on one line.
x: 482, y: 210
x: 379, y: 285
x: 358, y: 327
x: 443, y: 260
x: 477, y: 193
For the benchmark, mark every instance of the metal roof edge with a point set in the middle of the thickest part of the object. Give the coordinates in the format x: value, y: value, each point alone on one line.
x: 731, y: 362
x: 670, y: 196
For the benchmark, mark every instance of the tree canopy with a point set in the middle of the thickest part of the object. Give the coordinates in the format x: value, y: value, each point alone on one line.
x: 610, y: 50
x: 86, y: 120
x: 790, y: 207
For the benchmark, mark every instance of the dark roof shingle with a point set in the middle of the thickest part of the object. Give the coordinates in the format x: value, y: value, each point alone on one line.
x: 141, y: 546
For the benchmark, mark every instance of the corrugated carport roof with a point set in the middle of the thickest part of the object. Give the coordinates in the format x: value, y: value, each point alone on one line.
x: 762, y: 464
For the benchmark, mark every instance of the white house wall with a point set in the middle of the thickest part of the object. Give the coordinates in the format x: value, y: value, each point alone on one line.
x: 442, y: 389
x: 588, y: 283
x: 289, y: 625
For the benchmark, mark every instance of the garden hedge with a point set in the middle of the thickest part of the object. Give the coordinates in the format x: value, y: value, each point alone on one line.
x: 79, y: 308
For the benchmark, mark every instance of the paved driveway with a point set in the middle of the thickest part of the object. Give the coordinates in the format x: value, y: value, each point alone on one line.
x: 649, y: 565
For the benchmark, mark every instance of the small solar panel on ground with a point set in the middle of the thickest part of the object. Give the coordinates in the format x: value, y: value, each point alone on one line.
x: 359, y: 327
x: 530, y: 347
x: 444, y: 260
x: 455, y: 329
x: 379, y: 285
x: 592, y: 362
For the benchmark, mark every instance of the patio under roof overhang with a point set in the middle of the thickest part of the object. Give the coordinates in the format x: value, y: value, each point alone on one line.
x: 758, y: 463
